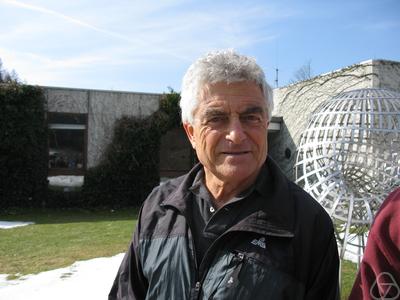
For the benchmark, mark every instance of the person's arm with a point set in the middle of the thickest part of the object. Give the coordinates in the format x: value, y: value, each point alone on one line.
x: 379, y: 276
x: 130, y: 283
x: 373, y: 264
x: 325, y: 282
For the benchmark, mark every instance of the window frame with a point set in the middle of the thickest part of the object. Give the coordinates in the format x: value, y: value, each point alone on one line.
x: 59, y: 126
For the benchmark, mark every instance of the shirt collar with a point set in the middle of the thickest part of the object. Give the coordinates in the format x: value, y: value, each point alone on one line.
x: 199, y: 189
x: 278, y: 204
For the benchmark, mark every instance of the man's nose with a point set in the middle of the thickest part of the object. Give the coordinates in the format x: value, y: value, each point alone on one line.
x: 235, y: 131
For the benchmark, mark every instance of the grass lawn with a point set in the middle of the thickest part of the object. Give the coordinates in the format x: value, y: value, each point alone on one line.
x: 59, y: 238
x: 349, y: 272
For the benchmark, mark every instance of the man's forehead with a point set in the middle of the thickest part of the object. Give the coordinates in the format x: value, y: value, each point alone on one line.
x: 234, y: 89
x: 245, y: 107
x: 208, y: 111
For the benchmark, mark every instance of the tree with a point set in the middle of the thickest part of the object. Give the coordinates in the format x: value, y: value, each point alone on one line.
x: 303, y: 73
x: 7, y: 77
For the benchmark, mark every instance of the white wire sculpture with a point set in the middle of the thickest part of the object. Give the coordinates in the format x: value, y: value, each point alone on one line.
x: 348, y: 160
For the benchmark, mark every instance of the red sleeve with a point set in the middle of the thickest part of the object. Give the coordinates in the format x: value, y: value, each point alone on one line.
x: 379, y: 273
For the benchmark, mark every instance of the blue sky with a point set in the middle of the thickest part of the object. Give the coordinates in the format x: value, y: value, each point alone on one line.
x: 146, y: 46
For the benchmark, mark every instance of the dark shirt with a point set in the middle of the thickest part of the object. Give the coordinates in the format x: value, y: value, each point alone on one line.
x: 208, y: 223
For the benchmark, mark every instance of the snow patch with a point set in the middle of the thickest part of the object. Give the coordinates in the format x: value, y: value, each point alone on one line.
x: 13, y: 224
x: 90, y: 279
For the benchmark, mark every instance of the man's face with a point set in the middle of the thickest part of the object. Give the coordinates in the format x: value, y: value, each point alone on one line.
x: 229, y: 131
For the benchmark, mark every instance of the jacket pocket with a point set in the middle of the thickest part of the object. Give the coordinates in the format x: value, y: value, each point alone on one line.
x: 252, y: 276
x: 231, y: 277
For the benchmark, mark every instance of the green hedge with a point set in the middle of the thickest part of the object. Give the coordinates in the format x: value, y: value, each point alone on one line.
x: 129, y: 169
x: 23, y: 146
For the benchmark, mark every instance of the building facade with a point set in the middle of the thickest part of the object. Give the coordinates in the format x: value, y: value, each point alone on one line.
x: 81, y: 122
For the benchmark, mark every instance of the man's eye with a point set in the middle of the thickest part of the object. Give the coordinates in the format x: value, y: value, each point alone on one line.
x: 251, y: 119
x: 216, y: 120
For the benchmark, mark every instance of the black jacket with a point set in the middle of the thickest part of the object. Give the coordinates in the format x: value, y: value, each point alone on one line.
x: 283, y: 247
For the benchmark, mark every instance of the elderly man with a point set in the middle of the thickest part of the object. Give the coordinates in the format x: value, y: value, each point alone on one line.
x: 234, y: 227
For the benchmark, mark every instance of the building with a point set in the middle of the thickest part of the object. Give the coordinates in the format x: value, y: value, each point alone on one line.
x: 81, y: 121
x: 81, y: 124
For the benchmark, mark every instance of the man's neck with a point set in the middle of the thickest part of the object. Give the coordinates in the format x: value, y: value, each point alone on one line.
x: 223, y: 191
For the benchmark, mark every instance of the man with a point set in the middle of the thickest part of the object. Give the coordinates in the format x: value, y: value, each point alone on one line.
x: 234, y: 227
x: 379, y: 273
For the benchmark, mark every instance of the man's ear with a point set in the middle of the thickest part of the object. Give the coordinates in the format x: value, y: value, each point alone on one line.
x: 189, y: 129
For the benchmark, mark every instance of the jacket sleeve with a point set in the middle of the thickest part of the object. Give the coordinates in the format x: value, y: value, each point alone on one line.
x: 379, y: 275
x: 130, y: 283
x: 324, y: 279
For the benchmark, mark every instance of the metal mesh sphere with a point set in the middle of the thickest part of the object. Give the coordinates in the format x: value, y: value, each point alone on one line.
x: 349, y: 160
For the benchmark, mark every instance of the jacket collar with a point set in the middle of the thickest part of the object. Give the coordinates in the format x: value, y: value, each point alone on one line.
x: 180, y: 198
x: 276, y: 214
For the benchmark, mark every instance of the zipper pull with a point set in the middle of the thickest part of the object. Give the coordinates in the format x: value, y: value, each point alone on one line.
x: 195, y: 294
x: 239, y: 258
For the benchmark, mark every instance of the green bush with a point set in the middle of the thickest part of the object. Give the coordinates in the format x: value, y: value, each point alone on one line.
x: 169, y: 105
x: 23, y: 146
x: 59, y: 198
x: 127, y: 173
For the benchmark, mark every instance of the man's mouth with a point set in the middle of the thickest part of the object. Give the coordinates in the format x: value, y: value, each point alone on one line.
x: 235, y: 152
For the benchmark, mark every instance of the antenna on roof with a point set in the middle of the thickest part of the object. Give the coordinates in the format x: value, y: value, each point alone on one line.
x: 277, y: 63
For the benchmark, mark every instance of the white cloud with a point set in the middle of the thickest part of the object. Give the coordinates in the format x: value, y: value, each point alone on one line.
x: 132, y: 41
x: 59, y: 42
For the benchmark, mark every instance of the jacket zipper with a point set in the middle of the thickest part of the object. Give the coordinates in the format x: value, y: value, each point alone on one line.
x: 239, y: 259
x: 200, y: 273
x: 236, y: 263
x: 198, y: 284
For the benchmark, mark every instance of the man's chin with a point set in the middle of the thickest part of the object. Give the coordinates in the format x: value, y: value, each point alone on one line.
x: 237, y: 172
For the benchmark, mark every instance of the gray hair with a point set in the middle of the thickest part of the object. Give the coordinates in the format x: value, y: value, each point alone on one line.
x: 220, y: 66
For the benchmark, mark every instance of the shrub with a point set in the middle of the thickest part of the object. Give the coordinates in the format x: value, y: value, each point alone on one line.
x: 59, y: 198
x: 23, y: 146
x: 169, y: 105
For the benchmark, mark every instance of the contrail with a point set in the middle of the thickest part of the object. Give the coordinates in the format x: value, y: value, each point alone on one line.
x: 89, y: 26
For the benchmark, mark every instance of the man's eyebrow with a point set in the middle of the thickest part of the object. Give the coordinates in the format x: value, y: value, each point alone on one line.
x: 212, y: 112
x: 253, y: 110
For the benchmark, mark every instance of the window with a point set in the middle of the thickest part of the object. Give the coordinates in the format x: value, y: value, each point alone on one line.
x: 67, y: 143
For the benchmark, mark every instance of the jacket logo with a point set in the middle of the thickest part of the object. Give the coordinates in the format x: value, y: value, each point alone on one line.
x: 259, y: 242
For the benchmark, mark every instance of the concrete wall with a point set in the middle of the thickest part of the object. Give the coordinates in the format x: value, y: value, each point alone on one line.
x: 103, y: 108
x: 296, y: 102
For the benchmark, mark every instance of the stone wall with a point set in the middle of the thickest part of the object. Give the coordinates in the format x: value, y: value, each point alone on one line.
x: 388, y: 74
x: 296, y: 102
x: 66, y: 100
x: 103, y: 108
